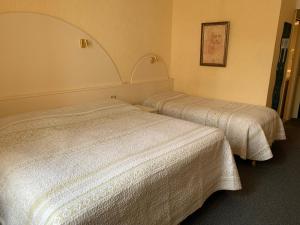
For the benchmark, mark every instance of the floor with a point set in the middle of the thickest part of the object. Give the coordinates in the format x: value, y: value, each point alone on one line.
x: 271, y: 190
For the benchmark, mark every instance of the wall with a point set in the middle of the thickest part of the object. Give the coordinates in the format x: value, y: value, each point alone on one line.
x: 126, y: 29
x: 298, y: 4
x: 287, y: 14
x: 251, y: 47
x: 129, y: 29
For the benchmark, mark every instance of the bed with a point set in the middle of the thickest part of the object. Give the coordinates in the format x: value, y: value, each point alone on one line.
x: 250, y: 129
x: 108, y: 163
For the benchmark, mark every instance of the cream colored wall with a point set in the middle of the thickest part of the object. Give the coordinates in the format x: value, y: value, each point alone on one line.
x: 251, y: 47
x: 130, y: 29
x: 298, y: 4
x: 287, y: 14
x: 126, y: 29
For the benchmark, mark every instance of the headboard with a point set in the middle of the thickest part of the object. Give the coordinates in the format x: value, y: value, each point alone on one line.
x: 42, y: 54
x: 46, y: 62
x: 149, y: 68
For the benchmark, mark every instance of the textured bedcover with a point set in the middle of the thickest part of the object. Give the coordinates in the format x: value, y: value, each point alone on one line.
x: 250, y: 129
x: 108, y: 163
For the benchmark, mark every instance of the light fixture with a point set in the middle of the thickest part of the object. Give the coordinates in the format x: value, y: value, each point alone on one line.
x: 154, y: 59
x: 84, y: 43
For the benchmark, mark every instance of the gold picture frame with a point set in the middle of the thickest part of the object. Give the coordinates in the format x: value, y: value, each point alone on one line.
x: 214, y: 44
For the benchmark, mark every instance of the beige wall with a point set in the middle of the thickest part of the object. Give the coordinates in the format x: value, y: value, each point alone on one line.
x: 251, y: 47
x: 129, y: 29
x: 126, y: 29
x: 287, y: 14
x: 298, y: 4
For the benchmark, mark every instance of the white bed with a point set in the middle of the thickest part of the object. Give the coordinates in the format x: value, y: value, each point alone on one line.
x: 108, y: 163
x: 250, y: 129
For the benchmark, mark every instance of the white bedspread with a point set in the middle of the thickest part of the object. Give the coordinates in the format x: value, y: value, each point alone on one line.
x: 250, y: 129
x: 108, y: 163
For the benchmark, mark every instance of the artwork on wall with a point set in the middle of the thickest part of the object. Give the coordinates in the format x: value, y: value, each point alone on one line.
x: 214, y: 44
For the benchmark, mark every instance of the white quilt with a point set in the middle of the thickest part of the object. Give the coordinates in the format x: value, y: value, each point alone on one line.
x: 250, y: 129
x: 108, y: 163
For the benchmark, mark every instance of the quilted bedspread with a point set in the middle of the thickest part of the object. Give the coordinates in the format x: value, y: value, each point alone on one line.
x: 108, y: 163
x: 250, y: 129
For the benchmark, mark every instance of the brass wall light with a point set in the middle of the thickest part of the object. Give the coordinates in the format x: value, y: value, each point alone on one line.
x: 154, y: 59
x: 84, y: 43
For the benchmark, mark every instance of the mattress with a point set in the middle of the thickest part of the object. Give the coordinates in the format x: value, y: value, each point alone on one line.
x: 108, y: 163
x: 250, y: 129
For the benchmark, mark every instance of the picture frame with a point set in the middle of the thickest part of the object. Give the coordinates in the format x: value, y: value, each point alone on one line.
x: 214, y: 44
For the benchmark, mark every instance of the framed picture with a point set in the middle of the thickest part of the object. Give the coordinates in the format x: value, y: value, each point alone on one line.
x: 214, y: 44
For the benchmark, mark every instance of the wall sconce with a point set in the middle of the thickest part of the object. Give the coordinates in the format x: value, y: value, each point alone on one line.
x: 154, y: 59
x: 84, y: 43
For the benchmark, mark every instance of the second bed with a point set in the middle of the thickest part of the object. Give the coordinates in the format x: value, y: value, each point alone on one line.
x: 250, y: 129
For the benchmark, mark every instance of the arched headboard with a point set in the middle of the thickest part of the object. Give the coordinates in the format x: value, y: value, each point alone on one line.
x: 150, y: 67
x: 46, y: 62
x: 42, y: 54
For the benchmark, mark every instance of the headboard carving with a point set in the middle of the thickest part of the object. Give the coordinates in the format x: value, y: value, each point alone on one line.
x: 41, y: 54
x: 48, y: 63
x: 150, y: 67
